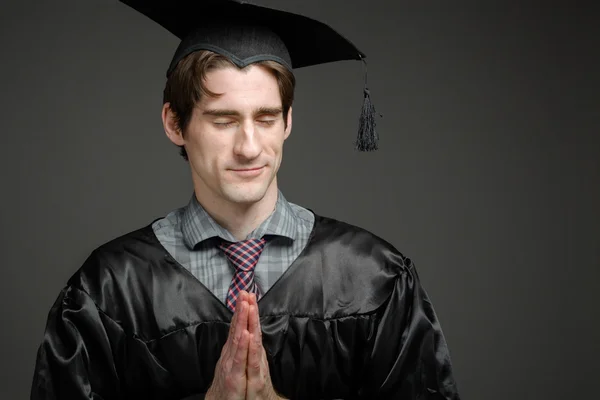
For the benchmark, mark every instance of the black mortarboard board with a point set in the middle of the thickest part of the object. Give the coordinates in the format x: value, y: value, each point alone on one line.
x: 247, y: 33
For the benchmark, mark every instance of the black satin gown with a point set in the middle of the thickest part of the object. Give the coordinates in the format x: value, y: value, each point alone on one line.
x: 348, y: 320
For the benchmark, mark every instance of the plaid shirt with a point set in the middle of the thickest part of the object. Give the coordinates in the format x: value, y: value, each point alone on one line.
x: 192, y: 237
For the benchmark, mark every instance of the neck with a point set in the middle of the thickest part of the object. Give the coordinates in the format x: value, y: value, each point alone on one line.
x: 239, y: 218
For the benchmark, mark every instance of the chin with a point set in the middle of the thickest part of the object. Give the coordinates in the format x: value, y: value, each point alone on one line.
x: 240, y: 195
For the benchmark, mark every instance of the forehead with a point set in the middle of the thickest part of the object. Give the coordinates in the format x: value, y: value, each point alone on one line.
x: 253, y: 84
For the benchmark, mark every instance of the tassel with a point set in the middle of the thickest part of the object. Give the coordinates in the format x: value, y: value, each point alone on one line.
x: 367, y: 139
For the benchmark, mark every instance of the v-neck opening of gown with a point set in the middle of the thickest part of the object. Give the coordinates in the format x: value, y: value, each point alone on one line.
x: 317, y: 220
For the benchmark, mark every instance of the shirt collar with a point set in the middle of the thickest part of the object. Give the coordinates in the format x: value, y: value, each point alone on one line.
x: 198, y: 226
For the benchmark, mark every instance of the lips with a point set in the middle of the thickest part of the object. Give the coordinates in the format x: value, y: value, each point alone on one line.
x: 247, y: 169
x: 248, y: 172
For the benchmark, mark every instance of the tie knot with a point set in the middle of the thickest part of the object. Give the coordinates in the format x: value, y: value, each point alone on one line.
x: 244, y: 254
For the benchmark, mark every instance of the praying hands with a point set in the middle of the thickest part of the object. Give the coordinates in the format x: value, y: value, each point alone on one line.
x: 242, y: 372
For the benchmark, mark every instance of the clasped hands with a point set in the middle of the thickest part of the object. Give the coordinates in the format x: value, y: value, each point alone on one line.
x: 242, y: 372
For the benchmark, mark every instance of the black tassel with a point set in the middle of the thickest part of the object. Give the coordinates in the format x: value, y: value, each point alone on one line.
x: 367, y: 139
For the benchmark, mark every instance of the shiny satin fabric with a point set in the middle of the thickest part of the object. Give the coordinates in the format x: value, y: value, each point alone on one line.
x: 348, y: 320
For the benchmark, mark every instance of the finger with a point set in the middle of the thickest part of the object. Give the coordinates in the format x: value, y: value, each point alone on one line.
x: 245, y: 300
x: 255, y: 347
x: 254, y: 321
x: 240, y: 359
x: 226, y: 350
x: 241, y: 323
x: 234, y: 317
x: 243, y: 296
x: 238, y: 324
x: 257, y: 328
x: 232, y: 323
x: 254, y: 359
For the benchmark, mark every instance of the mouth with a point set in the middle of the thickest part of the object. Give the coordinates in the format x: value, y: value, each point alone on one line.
x: 247, y: 169
x: 248, y: 172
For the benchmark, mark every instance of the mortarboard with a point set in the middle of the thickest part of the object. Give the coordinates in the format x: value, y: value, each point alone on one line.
x: 247, y: 33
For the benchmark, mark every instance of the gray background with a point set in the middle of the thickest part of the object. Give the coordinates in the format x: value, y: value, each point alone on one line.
x: 488, y: 175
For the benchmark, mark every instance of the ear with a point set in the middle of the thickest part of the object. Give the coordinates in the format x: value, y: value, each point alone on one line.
x: 288, y: 128
x: 170, y: 125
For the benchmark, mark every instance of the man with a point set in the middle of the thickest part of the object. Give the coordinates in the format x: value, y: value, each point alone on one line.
x: 241, y: 294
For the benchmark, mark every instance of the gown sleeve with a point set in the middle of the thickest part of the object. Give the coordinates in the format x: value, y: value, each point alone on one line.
x: 76, y: 357
x: 408, y: 357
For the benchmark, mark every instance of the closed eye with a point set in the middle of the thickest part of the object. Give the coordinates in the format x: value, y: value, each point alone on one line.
x: 224, y: 124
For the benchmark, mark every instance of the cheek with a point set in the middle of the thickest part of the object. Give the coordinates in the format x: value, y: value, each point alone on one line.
x: 274, y: 141
x: 208, y: 146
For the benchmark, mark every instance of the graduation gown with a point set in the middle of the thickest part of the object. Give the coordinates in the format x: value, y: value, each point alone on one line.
x: 348, y: 320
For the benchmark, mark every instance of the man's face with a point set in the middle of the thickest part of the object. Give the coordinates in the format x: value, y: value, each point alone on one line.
x: 234, y: 142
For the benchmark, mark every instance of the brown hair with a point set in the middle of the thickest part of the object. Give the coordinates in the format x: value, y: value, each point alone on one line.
x: 186, y: 85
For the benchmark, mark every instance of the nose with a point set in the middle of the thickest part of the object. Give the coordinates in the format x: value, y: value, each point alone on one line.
x: 247, y: 143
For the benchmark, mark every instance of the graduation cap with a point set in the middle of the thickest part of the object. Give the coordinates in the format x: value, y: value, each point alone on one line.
x: 247, y: 33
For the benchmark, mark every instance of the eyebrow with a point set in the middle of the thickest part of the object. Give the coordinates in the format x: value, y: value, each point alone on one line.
x: 234, y: 113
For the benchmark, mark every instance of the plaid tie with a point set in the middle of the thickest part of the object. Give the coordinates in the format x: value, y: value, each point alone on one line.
x: 244, y: 256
